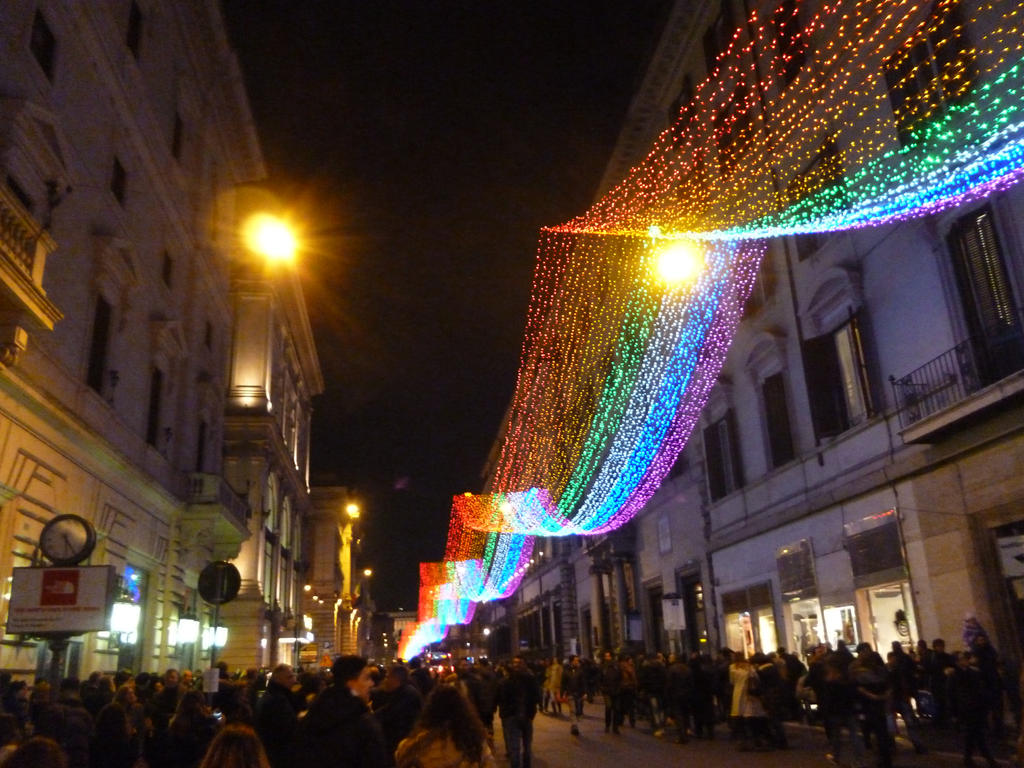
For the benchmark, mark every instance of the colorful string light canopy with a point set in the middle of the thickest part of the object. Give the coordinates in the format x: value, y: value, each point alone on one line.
x: 863, y: 113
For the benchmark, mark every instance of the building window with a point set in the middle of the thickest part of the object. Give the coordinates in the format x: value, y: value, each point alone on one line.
x: 718, y: 36
x: 933, y: 69
x: 98, y: 346
x: 177, y: 136
x: 133, y: 35
x: 721, y: 452
x: 684, y: 97
x: 731, y: 122
x: 43, y: 45
x: 764, y: 287
x: 118, y: 181
x: 167, y: 269
x: 791, y: 43
x: 821, y: 179
x: 269, y: 573
x: 19, y: 192
x: 837, y: 382
x: 201, y: 447
x: 156, y: 385
x: 776, y: 414
x: 990, y: 312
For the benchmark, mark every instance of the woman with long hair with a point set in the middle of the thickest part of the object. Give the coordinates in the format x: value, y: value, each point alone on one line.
x: 236, y: 746
x: 190, y: 732
x: 112, y: 744
x: 448, y: 734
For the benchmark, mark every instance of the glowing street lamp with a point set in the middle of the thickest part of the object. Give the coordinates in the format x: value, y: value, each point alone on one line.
x: 270, y: 236
x: 188, y: 628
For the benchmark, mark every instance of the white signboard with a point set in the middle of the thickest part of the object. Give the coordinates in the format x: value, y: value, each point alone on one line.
x: 73, y: 599
x: 1011, y: 556
x: 673, y: 613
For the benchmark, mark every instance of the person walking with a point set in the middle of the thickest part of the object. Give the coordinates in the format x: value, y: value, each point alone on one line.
x: 276, y: 718
x: 627, y: 691
x: 611, y: 689
x: 112, y: 744
x: 574, y: 688
x: 837, y: 704
x: 870, y: 678
x: 553, y: 686
x: 339, y: 724
x: 679, y: 695
x: 189, y: 734
x: 236, y: 746
x: 971, y: 699
x: 518, y: 699
x: 448, y: 734
x: 651, y: 680
x: 397, y: 704
x: 747, y: 712
x: 903, y: 683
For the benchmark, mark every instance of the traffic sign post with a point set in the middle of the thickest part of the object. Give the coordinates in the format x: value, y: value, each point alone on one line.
x: 219, y: 583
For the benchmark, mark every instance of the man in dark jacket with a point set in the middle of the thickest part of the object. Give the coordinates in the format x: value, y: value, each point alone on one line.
x: 396, y: 705
x: 651, y: 678
x: 574, y: 685
x: 518, y: 699
x: 339, y: 727
x: 611, y: 690
x: 679, y: 695
x: 970, y: 698
x: 164, y: 704
x: 276, y: 719
x: 67, y: 722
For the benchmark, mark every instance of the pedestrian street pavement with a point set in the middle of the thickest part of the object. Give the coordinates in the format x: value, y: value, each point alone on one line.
x: 554, y: 747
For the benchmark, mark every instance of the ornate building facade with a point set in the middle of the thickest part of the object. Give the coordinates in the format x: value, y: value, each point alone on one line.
x: 133, y: 322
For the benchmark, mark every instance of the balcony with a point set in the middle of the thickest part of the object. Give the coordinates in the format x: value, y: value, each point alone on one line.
x: 24, y: 246
x: 962, y: 382
x: 218, y: 510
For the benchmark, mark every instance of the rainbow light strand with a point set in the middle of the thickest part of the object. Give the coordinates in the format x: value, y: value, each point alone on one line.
x: 616, y: 366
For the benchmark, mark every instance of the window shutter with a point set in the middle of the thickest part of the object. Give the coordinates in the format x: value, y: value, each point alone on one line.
x: 713, y: 460
x: 780, y: 437
x: 823, y: 376
x: 98, y: 346
x: 984, y: 285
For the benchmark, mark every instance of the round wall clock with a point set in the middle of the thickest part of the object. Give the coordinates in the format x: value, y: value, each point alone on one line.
x: 67, y: 539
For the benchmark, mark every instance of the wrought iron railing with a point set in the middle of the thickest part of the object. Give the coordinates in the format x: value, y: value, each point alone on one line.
x: 959, y: 372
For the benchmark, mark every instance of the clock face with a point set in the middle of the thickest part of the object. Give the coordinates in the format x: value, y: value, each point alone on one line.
x: 67, y: 539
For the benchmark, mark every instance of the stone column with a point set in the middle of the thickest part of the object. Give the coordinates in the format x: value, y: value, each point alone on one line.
x: 597, y: 605
x: 619, y: 617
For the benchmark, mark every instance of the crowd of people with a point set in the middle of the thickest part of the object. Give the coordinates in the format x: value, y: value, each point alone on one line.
x: 415, y: 716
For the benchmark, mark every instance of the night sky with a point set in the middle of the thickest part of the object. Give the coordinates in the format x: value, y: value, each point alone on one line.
x: 424, y: 143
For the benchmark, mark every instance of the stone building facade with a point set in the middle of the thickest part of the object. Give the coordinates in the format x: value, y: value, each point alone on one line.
x: 125, y: 139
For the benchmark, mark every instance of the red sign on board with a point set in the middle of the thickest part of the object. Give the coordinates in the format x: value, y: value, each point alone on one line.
x: 60, y: 587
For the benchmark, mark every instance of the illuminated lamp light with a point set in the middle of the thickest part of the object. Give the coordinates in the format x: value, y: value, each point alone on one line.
x: 188, y: 628
x: 680, y: 263
x: 269, y: 236
x: 124, y: 618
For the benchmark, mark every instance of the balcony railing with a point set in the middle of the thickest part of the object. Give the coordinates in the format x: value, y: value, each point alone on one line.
x: 18, y: 236
x: 959, y: 372
x: 213, y: 489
